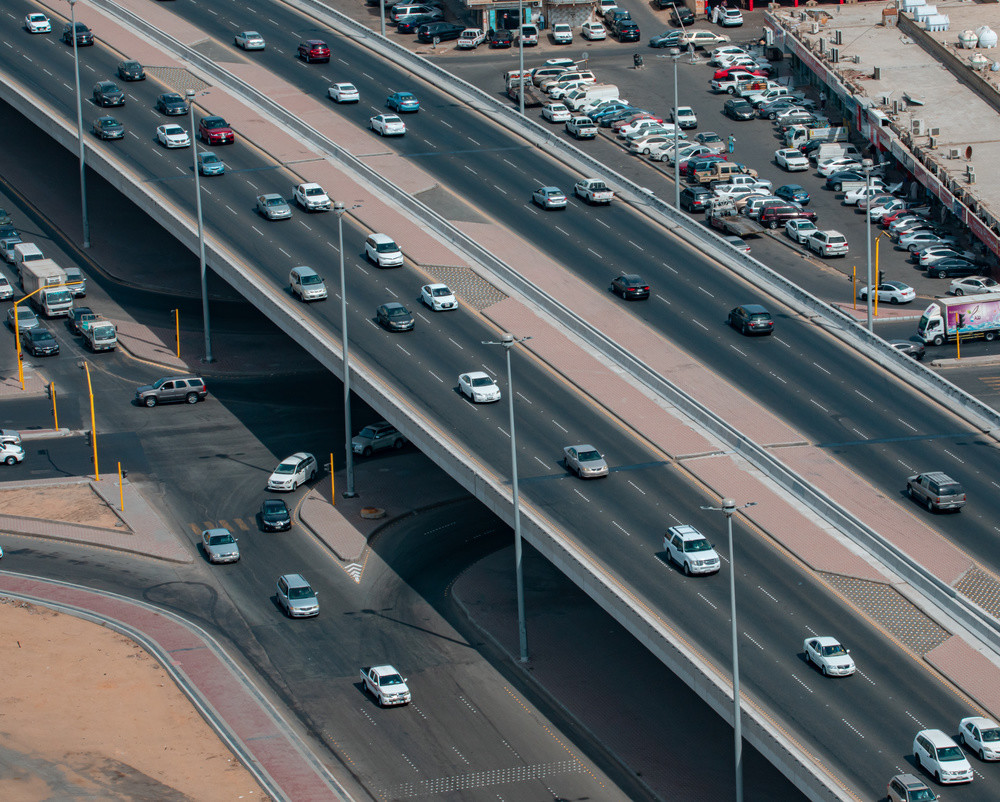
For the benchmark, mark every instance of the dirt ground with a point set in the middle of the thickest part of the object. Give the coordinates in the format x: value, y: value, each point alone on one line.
x: 72, y: 503
x: 86, y: 713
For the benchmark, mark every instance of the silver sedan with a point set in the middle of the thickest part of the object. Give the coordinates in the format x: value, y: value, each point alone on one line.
x: 273, y: 207
x: 249, y: 40
x: 549, y: 198
x: 585, y: 461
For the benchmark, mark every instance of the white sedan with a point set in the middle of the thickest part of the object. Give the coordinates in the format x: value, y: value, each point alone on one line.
x: 593, y: 31
x: 835, y: 164
x: 854, y: 197
x: 555, y: 112
x: 973, y: 285
x: 438, y: 297
x: 479, y: 387
x: 800, y: 230
x: 344, y: 93
x: 173, y: 136
x: 791, y: 159
x: 249, y: 40
x: 829, y: 655
x: 387, y: 125
x: 37, y: 23
x: 11, y: 454
x: 981, y: 735
x: 893, y: 292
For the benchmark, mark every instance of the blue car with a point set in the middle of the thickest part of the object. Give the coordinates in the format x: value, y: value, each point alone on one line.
x: 403, y: 101
x: 794, y: 193
x: 210, y: 164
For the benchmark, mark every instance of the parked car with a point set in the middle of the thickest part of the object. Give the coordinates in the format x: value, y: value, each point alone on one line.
x: 751, y: 319
x: 666, y: 39
x: 950, y: 268
x: 377, y: 437
x: 627, y: 31
x: 793, y: 193
x: 172, y: 389
x: 829, y: 656
x: 562, y: 34
x: 11, y: 454
x: 791, y: 159
x: 412, y: 23
x: 696, y: 199
x: 293, y: 471
x: 737, y: 108
x: 593, y: 31
x: 730, y: 17
x: 929, y: 254
x: 442, y: 31
x: 220, y: 546
x: 893, y: 292
x: 296, y: 597
x: 394, y: 316
x: 777, y: 215
x: 680, y: 15
x: 500, y: 38
x: 936, y: 490
x: 274, y: 515
x: 973, y: 285
x: 585, y: 461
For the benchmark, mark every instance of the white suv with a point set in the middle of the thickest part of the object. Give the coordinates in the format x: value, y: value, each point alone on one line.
x: 562, y: 34
x: 383, y: 251
x: 292, y: 472
x: 941, y: 757
x: 828, y: 243
x: 689, y: 548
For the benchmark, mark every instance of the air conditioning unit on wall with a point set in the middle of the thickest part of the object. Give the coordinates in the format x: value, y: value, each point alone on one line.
x: 917, y: 127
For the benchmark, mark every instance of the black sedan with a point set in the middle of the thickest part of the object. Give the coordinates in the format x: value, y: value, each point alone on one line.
x: 108, y: 127
x: 84, y: 36
x: 171, y: 104
x: 108, y: 93
x: 411, y: 23
x: 274, y: 515
x: 681, y: 16
x: 500, y: 38
x: 131, y: 71
x: 738, y: 108
x: 630, y: 286
x: 394, y: 317
x: 953, y: 268
x: 39, y: 342
x: 442, y: 31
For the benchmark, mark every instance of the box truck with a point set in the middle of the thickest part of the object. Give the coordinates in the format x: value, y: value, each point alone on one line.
x: 44, y: 275
x: 974, y: 315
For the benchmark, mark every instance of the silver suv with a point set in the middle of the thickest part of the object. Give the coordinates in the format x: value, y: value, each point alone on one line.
x: 296, y: 597
x: 171, y: 389
x: 377, y: 437
x: 936, y: 490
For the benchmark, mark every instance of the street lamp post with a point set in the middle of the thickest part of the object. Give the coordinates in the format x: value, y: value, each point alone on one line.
x: 728, y: 508
x: 866, y: 165
x: 201, y: 232
x: 675, y: 54
x: 508, y: 341
x: 520, y: 54
x: 79, y: 126
x: 339, y: 209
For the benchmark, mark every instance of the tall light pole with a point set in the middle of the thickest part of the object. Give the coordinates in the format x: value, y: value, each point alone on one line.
x: 675, y: 54
x: 339, y: 209
x: 79, y: 126
x: 728, y: 508
x: 866, y: 165
x: 520, y: 53
x: 201, y: 232
x: 508, y: 341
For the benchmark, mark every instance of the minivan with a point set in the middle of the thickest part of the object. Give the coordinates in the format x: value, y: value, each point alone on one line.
x: 529, y: 35
x: 306, y: 283
x: 940, y: 756
x: 383, y: 251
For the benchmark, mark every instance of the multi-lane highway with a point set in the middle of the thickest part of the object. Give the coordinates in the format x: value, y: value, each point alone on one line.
x: 873, y: 724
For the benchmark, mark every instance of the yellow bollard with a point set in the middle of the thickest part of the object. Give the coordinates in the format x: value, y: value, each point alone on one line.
x: 121, y: 488
x: 333, y: 490
x: 55, y: 409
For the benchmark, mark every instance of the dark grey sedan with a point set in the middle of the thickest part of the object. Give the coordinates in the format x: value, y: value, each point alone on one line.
x: 394, y: 317
x: 953, y: 268
x: 107, y: 127
x: 171, y: 104
x: 910, y: 348
x: 274, y: 515
x: 107, y: 93
x: 131, y: 71
x: 630, y: 287
x: 39, y: 342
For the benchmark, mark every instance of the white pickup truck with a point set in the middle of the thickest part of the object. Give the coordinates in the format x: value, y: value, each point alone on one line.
x: 581, y: 128
x: 593, y: 190
x: 386, y: 684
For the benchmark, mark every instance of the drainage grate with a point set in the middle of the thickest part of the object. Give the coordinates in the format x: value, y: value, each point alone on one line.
x: 472, y: 288
x: 894, y: 612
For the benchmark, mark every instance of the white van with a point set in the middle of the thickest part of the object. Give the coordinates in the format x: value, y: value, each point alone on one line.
x: 588, y: 93
x: 529, y: 35
x: 831, y: 150
x: 26, y: 252
x: 307, y: 284
x: 380, y: 249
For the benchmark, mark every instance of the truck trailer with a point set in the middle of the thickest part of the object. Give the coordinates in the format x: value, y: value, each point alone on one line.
x: 969, y: 315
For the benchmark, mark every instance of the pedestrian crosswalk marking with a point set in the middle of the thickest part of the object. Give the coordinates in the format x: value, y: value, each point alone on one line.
x: 992, y: 381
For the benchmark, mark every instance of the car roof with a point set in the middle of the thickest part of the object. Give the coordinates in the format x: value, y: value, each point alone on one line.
x: 295, y: 580
x: 755, y: 309
x: 436, y: 286
x: 298, y: 456
x: 686, y: 531
x: 937, y: 737
x: 980, y: 721
x: 218, y: 531
x: 393, y: 305
x: 478, y: 374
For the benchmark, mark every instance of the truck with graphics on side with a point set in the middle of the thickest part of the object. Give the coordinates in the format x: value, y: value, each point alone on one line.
x: 969, y: 315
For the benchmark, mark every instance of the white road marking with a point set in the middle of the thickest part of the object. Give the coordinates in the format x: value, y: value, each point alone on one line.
x: 230, y: 208
x: 863, y: 674
x: 767, y: 594
x: 304, y: 226
x: 919, y: 722
x: 331, y: 245
x: 473, y: 141
x: 627, y: 533
x: 907, y: 425
x: 391, y: 293
x: 257, y: 230
x: 581, y: 495
x: 962, y: 461
x: 436, y: 376
x: 285, y: 252
x: 745, y: 635
x: 704, y: 599
x: 853, y: 728
x: 561, y: 427
x: 505, y: 432
x: 706, y: 292
x: 738, y: 351
x: 403, y: 349
x: 501, y: 190
x: 636, y: 245
x: 444, y: 123
x: 603, y: 223
x: 910, y: 469
x: 543, y: 463
x: 802, y: 683
x: 471, y: 170
x: 779, y: 340
x: 425, y: 319
x: 595, y: 253
x: 699, y: 323
x: 523, y: 397
x: 869, y: 400
x: 671, y: 269
x: 817, y: 403
x: 636, y: 486
x: 823, y: 369
x: 508, y: 161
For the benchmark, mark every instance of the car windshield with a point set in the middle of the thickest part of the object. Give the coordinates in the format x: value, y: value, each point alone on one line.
x: 59, y: 296
x: 397, y: 311
x: 588, y: 456
x: 215, y: 122
x: 287, y: 467
x: 173, y: 99
x: 220, y: 540
x: 109, y: 123
x: 440, y: 292
x: 314, y: 191
x: 697, y: 545
x: 368, y: 431
x: 922, y: 795
x: 948, y: 754
x: 41, y: 334
x: 390, y: 679
x: 833, y: 651
x: 311, y: 279
x: 482, y: 381
x: 209, y: 158
x: 274, y: 508
x: 274, y: 201
x: 300, y: 593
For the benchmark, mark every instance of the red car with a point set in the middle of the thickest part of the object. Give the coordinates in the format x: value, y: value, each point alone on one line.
x: 314, y: 50
x: 215, y: 131
x: 724, y: 73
